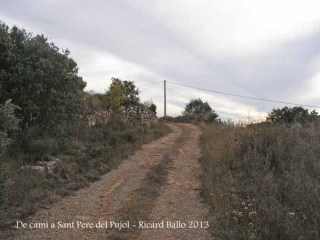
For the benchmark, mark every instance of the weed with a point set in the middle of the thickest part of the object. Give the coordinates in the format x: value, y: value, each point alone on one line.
x: 94, y: 152
x: 262, y: 181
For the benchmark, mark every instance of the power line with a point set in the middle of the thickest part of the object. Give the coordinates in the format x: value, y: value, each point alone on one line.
x: 151, y: 83
x: 242, y: 96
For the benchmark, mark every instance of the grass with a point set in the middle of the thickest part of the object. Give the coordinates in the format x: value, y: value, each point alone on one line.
x: 84, y: 158
x: 139, y: 205
x: 141, y: 202
x: 262, y: 181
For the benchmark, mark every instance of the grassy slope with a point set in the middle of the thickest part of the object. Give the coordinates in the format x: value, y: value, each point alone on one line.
x: 94, y: 152
x: 262, y: 181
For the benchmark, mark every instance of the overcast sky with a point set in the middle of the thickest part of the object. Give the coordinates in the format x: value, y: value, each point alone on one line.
x: 266, y: 49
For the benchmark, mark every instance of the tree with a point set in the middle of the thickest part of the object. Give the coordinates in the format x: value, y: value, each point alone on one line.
x: 291, y: 115
x: 116, y: 95
x: 196, y: 107
x: 211, y: 117
x: 200, y: 110
x: 8, y: 122
x: 151, y: 107
x: 42, y: 80
x: 122, y: 94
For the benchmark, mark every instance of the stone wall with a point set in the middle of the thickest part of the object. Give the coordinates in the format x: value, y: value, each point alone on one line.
x: 128, y: 115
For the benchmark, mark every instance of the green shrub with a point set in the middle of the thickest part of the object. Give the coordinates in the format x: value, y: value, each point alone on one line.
x: 2, y: 183
x: 8, y: 123
x: 199, y: 111
x: 292, y: 115
x: 40, y: 78
x: 41, y: 147
x: 211, y: 117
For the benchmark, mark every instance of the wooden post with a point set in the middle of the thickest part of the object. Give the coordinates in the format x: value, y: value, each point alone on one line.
x: 165, y: 97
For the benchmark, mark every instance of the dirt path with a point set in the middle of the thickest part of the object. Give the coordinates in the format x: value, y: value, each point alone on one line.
x: 178, y: 200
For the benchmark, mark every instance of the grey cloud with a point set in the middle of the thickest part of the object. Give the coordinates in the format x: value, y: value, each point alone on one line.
x: 134, y: 34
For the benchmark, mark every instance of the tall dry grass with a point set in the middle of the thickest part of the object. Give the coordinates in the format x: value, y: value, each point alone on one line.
x: 262, y: 181
x: 84, y: 159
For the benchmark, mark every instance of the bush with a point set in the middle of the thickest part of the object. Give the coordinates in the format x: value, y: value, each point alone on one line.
x: 42, y: 80
x: 8, y: 123
x: 211, y: 117
x: 44, y: 146
x: 292, y: 115
x: 199, y: 111
x: 2, y: 183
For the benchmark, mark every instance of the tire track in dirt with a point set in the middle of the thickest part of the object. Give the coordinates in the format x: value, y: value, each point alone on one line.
x: 103, y: 198
x: 138, y: 206
x: 179, y: 200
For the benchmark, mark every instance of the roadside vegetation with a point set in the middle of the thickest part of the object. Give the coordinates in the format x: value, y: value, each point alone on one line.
x: 262, y: 180
x: 54, y: 137
x: 196, y: 111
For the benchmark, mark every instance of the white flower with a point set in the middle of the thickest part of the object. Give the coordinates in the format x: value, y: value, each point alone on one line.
x: 252, y: 236
x: 251, y: 214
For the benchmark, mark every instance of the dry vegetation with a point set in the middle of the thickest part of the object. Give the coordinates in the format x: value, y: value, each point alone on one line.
x: 95, y: 151
x: 262, y: 181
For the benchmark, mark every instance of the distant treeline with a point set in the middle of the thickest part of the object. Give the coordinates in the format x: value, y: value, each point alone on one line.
x: 197, y: 110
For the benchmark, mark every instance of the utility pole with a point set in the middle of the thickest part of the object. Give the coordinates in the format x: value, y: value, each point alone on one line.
x: 165, y: 97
